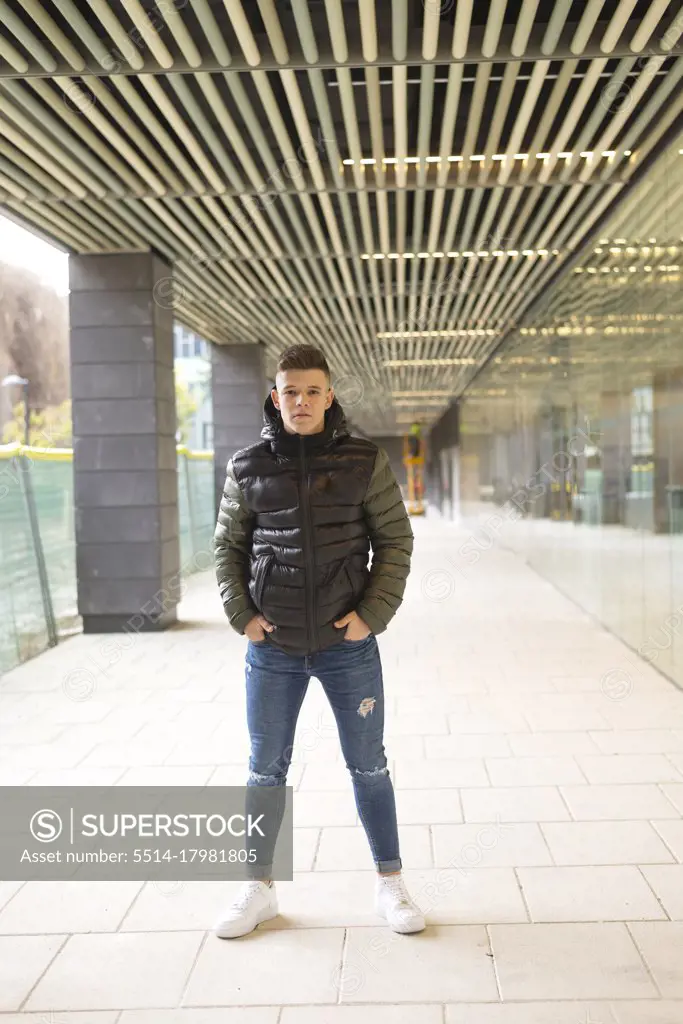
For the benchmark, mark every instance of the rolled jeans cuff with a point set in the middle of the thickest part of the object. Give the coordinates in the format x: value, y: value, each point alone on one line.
x: 385, y: 867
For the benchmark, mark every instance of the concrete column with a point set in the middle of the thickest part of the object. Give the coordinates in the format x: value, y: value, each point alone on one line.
x: 615, y: 447
x: 549, y: 436
x: 668, y: 453
x: 561, y: 465
x: 541, y: 502
x: 500, y: 468
x: 239, y: 388
x: 125, y: 476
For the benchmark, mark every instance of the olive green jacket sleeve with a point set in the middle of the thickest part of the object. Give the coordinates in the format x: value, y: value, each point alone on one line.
x: 391, y: 538
x: 232, y: 550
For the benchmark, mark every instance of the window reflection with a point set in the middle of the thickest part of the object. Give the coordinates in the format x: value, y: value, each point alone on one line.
x: 601, y: 361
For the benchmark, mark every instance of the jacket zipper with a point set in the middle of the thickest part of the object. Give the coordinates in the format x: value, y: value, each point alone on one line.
x: 307, y: 537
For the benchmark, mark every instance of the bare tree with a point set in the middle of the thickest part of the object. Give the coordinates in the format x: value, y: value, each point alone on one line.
x: 34, y: 337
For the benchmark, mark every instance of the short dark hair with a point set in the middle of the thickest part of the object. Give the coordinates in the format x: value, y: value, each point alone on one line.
x: 303, y: 357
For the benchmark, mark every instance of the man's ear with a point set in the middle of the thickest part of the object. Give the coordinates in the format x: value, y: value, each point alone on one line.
x: 330, y: 397
x: 276, y: 398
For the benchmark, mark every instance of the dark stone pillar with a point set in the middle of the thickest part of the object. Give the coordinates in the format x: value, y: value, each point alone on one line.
x: 239, y: 388
x: 125, y: 476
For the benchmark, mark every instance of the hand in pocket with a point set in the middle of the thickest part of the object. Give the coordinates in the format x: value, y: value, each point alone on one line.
x: 256, y: 629
x: 356, y: 629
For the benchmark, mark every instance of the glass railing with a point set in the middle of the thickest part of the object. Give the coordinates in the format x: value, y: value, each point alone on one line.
x: 38, y: 594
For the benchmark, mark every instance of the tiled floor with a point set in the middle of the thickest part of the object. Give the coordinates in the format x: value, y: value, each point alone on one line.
x: 541, y: 812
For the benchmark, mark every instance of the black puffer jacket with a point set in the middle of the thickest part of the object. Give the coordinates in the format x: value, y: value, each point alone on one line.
x: 296, y: 522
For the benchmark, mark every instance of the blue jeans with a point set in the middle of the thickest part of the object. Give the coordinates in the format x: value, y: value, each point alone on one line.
x: 351, y: 675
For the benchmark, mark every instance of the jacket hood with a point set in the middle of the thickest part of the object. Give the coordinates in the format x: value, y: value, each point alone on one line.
x: 273, y: 430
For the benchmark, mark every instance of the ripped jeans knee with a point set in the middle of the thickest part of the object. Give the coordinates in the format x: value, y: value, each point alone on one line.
x: 369, y: 775
x: 258, y: 779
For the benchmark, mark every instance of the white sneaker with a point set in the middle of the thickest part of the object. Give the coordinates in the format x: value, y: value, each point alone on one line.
x: 393, y: 902
x: 256, y: 902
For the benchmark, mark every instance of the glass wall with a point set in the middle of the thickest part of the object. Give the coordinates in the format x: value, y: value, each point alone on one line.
x: 575, y: 428
x: 38, y: 563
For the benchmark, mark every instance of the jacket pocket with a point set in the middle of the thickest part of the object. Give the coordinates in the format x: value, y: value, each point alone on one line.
x: 354, y: 585
x: 263, y: 567
x: 347, y: 574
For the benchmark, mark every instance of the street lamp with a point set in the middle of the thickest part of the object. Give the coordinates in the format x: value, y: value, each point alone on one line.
x: 14, y: 380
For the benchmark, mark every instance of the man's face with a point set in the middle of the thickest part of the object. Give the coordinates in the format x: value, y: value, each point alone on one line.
x: 302, y: 396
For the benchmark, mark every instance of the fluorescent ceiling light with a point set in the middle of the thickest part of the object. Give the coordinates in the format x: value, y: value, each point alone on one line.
x: 454, y: 333
x: 431, y: 362
x: 421, y: 394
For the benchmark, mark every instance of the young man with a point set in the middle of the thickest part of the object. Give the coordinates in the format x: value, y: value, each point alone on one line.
x: 299, y: 513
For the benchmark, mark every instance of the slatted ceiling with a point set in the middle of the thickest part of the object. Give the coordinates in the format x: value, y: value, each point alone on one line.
x: 253, y: 43
x: 638, y: 255
x: 238, y: 175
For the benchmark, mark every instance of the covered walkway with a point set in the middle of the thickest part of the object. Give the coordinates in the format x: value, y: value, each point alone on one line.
x: 539, y: 773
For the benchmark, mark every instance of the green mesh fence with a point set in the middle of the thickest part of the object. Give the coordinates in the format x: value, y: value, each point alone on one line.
x: 196, y: 502
x: 24, y: 629
x: 44, y: 478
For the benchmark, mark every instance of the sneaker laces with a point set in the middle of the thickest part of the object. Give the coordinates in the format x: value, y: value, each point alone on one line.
x: 249, y: 891
x: 397, y: 889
